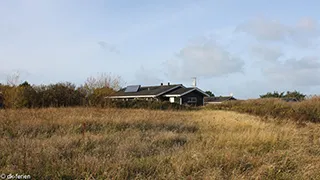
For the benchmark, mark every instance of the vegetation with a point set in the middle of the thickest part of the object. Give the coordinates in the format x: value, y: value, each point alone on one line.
x: 307, y: 110
x: 67, y: 95
x: 92, y: 93
x: 295, y: 94
x: 142, y: 104
x: 210, y: 93
x: 93, y: 143
x: 141, y: 143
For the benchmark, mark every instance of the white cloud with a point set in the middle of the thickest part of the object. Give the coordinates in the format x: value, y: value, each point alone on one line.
x: 147, y: 76
x: 266, y: 53
x: 280, y: 40
x: 293, y: 72
x: 307, y: 24
x: 107, y: 46
x: 204, y: 60
x: 303, y: 33
x: 264, y: 29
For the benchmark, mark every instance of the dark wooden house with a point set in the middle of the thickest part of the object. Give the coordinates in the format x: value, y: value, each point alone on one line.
x: 174, y: 93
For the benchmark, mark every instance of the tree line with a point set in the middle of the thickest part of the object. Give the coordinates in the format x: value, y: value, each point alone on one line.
x: 294, y: 94
x: 63, y: 94
x: 91, y: 93
x: 289, y: 94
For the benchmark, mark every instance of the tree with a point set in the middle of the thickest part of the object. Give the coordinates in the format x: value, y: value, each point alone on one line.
x: 12, y: 96
x: 209, y: 93
x: 103, y: 80
x: 275, y: 94
x: 93, y: 92
x: 98, y: 96
x: 25, y: 84
x: 97, y: 88
x: 295, y: 94
x: 13, y: 79
x: 27, y: 96
x: 62, y: 94
x: 54, y: 95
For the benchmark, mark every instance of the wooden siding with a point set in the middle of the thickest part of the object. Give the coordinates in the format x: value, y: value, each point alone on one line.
x: 177, y: 100
x: 196, y: 94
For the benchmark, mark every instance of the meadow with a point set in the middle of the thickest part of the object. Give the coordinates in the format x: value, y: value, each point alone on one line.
x: 307, y: 110
x: 111, y: 143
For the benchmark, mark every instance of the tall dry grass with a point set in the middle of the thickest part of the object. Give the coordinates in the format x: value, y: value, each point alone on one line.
x: 304, y: 111
x: 87, y: 143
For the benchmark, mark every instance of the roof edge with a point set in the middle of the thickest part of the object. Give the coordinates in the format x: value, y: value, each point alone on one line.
x: 199, y: 90
x: 180, y: 85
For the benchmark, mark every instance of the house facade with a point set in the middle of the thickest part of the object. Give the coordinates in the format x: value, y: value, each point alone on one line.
x: 174, y: 93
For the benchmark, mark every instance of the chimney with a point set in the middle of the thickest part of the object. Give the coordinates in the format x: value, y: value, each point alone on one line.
x: 168, y: 83
x: 194, y: 82
x: 161, y: 84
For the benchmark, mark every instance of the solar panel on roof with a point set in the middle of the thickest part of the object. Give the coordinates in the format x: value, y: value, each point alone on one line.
x: 134, y: 88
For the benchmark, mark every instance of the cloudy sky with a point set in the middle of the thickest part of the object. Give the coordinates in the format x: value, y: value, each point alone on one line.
x: 246, y: 47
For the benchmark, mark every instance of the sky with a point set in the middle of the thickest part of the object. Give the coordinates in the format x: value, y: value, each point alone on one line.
x: 247, y: 47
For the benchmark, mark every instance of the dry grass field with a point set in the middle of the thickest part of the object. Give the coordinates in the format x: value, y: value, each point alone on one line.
x: 93, y: 143
x: 305, y: 111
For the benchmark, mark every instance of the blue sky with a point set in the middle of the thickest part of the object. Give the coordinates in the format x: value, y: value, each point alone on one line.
x: 246, y: 47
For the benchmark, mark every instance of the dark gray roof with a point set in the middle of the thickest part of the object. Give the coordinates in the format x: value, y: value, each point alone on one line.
x: 147, y: 90
x: 179, y: 91
x: 219, y: 99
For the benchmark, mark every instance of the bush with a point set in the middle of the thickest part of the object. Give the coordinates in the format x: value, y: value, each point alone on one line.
x: 307, y: 110
x: 66, y: 95
x: 295, y: 94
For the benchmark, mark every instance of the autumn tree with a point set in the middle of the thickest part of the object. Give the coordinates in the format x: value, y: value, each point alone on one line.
x: 93, y: 92
x: 11, y: 91
x: 99, y: 87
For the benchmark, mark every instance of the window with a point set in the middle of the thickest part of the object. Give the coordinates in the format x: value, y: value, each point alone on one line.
x: 191, y: 99
x: 171, y: 99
